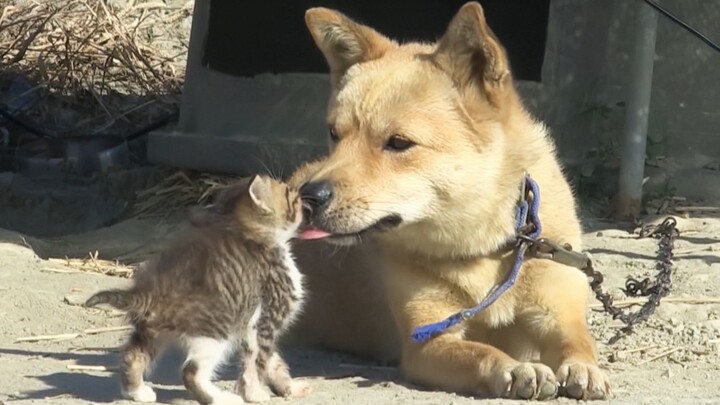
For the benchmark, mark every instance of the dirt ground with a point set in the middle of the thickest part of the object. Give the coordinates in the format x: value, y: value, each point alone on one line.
x: 672, y: 359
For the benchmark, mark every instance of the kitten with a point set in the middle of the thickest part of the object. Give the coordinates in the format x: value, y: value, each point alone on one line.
x: 230, y: 280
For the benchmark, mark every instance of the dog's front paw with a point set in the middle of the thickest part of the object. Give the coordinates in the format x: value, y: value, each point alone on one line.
x: 583, y: 381
x: 526, y: 381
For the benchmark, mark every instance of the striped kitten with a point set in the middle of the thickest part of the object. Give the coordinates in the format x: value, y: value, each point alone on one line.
x: 231, y: 281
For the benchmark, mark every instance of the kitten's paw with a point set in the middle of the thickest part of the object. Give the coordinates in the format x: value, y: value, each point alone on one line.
x: 142, y: 393
x: 255, y: 393
x: 252, y: 392
x: 299, y: 389
x: 227, y: 398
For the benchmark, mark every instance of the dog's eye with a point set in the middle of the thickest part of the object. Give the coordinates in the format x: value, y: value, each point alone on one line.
x: 398, y: 144
x: 333, y: 134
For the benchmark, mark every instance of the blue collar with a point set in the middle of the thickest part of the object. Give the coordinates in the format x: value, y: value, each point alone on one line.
x: 528, y: 229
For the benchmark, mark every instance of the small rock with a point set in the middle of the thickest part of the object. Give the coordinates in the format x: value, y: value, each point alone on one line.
x: 667, y: 373
x: 74, y: 299
x: 390, y: 384
x: 617, y: 357
x: 713, y: 325
x: 613, y: 233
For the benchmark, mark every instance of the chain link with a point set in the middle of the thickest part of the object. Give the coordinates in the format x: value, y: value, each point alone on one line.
x: 654, y: 290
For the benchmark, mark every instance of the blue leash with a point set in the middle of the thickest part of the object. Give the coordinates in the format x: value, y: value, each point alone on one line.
x: 525, y: 214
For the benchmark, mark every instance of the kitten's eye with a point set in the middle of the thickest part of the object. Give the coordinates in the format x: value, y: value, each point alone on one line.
x: 333, y: 134
x: 397, y: 143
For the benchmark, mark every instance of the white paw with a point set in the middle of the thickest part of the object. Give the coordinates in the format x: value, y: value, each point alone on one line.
x: 227, y: 398
x: 253, y: 392
x: 300, y: 389
x: 142, y: 393
x: 256, y: 394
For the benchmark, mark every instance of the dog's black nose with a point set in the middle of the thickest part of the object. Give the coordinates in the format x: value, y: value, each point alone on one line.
x: 317, y: 194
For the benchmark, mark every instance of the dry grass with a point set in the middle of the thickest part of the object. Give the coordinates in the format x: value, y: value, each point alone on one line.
x: 93, y: 264
x: 87, y: 51
x: 178, y: 190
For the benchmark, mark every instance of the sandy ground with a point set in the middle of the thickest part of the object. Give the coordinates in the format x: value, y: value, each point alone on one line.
x: 33, y: 303
x: 673, y: 359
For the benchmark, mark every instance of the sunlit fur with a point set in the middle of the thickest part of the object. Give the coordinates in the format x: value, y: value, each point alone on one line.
x: 455, y: 191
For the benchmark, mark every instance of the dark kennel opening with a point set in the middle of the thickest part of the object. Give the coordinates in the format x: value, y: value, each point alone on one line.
x: 246, y: 38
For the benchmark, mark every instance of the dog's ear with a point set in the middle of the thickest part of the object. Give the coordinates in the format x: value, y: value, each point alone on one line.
x: 471, y: 54
x: 344, y: 42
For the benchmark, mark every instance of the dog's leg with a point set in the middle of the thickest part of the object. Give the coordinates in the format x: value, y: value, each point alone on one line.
x: 567, y: 345
x: 578, y: 372
x: 450, y: 363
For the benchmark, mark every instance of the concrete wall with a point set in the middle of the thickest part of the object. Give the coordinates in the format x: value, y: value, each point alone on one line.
x: 584, y: 82
x: 581, y: 98
x: 242, y: 125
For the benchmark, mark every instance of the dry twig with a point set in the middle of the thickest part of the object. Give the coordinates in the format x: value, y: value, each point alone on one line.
x: 41, y: 338
x: 79, y: 367
x: 68, y: 336
x: 675, y: 300
x: 91, y: 264
x: 659, y: 356
x: 96, y: 331
x: 638, y: 349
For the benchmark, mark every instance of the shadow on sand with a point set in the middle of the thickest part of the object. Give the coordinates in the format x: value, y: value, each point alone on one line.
x: 104, y: 387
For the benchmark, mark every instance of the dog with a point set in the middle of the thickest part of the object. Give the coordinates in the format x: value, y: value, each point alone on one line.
x: 429, y: 147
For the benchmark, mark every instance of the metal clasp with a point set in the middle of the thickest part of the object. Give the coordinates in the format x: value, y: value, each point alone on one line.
x: 563, y: 254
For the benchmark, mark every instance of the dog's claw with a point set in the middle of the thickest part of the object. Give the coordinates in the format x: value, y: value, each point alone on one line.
x: 528, y: 381
x: 583, y: 381
x: 547, y: 391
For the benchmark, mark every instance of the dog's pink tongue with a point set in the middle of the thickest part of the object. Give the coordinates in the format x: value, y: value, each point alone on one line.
x: 313, y: 233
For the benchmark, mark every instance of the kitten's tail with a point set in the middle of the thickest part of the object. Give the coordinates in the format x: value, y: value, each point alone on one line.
x: 123, y: 300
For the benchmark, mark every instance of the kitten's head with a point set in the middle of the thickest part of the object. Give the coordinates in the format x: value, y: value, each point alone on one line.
x: 259, y: 203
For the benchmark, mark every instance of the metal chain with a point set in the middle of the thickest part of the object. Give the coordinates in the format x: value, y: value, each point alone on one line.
x: 655, y: 289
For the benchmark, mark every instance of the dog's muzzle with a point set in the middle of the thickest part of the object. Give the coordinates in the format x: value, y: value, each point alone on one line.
x: 316, y: 196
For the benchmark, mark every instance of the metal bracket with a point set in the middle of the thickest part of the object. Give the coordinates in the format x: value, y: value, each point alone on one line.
x: 546, y: 249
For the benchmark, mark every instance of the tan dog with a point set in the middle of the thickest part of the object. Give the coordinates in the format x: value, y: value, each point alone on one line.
x: 429, y: 146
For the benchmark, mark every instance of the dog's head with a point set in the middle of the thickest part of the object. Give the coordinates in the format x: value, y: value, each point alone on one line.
x: 417, y: 131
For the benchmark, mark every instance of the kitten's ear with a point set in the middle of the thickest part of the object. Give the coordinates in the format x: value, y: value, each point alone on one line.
x: 260, y: 191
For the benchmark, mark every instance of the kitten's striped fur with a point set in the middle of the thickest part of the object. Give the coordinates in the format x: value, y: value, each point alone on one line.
x: 230, y: 281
